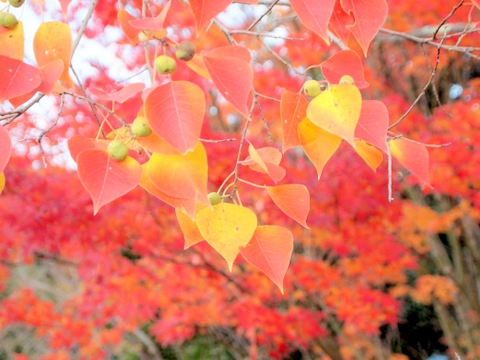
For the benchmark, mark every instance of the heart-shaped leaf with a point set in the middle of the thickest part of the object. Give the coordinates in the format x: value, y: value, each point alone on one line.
x: 189, y: 227
x: 293, y: 200
x: 12, y: 41
x: 345, y: 62
x: 373, y: 123
x: 17, y: 77
x: 413, y: 156
x: 206, y: 10
x: 293, y: 109
x: 315, y: 16
x: 119, y: 96
x: 371, y: 155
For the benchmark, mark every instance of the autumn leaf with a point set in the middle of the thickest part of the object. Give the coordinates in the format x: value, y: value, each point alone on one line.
x: 197, y: 65
x: 339, y: 22
x: 206, y: 10
x: 2, y: 181
x: 270, y: 250
x: 372, y: 157
x: 337, y: 111
x: 79, y: 143
x: 227, y: 227
x: 175, y: 111
x: 124, y: 19
x: 153, y: 23
x: 345, y: 62
x: 293, y: 200
x: 181, y: 176
x: 373, y: 124
x: 265, y: 160
x: 107, y: 179
x: 12, y: 41
x: 119, y: 96
x: 315, y: 16
x: 17, y: 77
x: 53, y: 41
x: 189, y: 226
x: 413, y: 156
x: 5, y: 148
x: 155, y: 144
x: 293, y: 109
x: 318, y: 144
x: 229, y: 67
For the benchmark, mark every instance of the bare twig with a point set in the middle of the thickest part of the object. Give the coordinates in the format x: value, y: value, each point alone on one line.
x: 390, y: 180
x: 85, y: 21
x: 270, y: 7
x: 446, y: 18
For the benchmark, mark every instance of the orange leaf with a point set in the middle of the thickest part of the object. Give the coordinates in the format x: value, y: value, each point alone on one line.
x: 293, y: 109
x: 265, y: 160
x: 337, y: 111
x: 270, y: 251
x: 2, y: 182
x: 107, y: 179
x: 121, y: 95
x: 206, y: 10
x: 315, y: 16
x: 64, y: 5
x: 52, y: 41
x: 373, y: 123
x: 181, y: 176
x: 175, y: 112
x: 230, y: 70
x: 78, y: 143
x: 345, y: 62
x: 155, y: 144
x: 186, y: 206
x: 5, y: 148
x: 124, y: 19
x: 369, y: 17
x: 318, y: 144
x: 197, y: 65
x: 293, y: 200
x: 413, y: 156
x: 227, y: 227
x: 189, y: 227
x: 372, y: 156
x: 12, y: 41
x: 152, y: 23
x: 17, y: 77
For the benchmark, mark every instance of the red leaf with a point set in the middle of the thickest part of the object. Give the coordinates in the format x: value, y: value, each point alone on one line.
x: 121, y: 95
x: 369, y: 18
x: 293, y: 109
x: 175, y: 112
x: 413, y: 156
x: 270, y: 250
x: 124, y: 19
x: 293, y: 200
x: 339, y: 22
x: 373, y: 123
x: 5, y: 148
x: 265, y: 160
x: 107, y: 179
x: 78, y: 143
x: 345, y: 62
x: 152, y: 23
x: 17, y: 77
x: 50, y: 73
x: 230, y: 70
x: 206, y: 10
x: 315, y: 16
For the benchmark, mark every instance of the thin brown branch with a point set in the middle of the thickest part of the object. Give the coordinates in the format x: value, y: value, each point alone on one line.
x: 85, y: 21
x: 255, y: 33
x: 446, y: 18
x: 270, y: 7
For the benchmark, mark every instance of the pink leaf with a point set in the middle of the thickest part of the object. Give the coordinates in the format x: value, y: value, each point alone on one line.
x: 293, y: 200
x: 206, y: 10
x: 373, y: 123
x: 121, y: 95
x: 413, y: 156
x: 315, y: 15
x: 17, y: 78
x: 345, y: 62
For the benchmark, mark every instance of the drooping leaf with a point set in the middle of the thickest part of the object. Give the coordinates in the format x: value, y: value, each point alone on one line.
x: 345, y: 62
x: 270, y: 250
x: 5, y: 148
x: 339, y: 22
x: 12, y: 41
x: 53, y: 41
x: 265, y: 160
x: 64, y: 5
x: 206, y: 10
x: 124, y: 19
x: 293, y: 109
x: 318, y: 144
x: 227, y: 227
x: 369, y: 17
x: 197, y: 65
x: 186, y: 206
x: 152, y: 23
x: 293, y: 200
x: 17, y: 77
x: 79, y: 143
x: 119, y: 96
x: 337, y: 110
x: 371, y: 155
x: 2, y: 182
x: 181, y: 176
x: 373, y: 123
x: 413, y: 156
x: 107, y: 179
x: 189, y: 226
x: 229, y: 67
x: 175, y: 111
x: 315, y: 15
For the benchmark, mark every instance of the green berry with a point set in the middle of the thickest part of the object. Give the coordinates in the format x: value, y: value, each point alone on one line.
x: 165, y: 64
x: 214, y: 198
x: 117, y: 150
x: 16, y: 3
x: 185, y: 51
x: 140, y: 127
x: 346, y: 80
x: 8, y: 20
x: 311, y: 88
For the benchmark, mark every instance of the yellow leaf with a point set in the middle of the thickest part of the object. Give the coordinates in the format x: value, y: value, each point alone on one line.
x: 227, y: 227
x: 2, y: 181
x: 371, y: 155
x: 337, y: 111
x: 12, y: 41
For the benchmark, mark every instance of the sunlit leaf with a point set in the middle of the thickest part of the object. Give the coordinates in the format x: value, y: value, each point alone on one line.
x: 413, y: 156
x: 293, y: 109
x: 152, y: 23
x: 265, y: 160
x: 197, y: 65
x: 124, y: 19
x: 2, y: 181
x: 270, y: 250
x: 182, y: 176
x: 175, y: 111
x: 119, y: 96
x: 369, y: 17
x: 53, y: 41
x: 12, y: 41
x: 79, y: 143
x: 64, y: 5
x: 5, y: 148
x: 206, y: 10
x: 337, y: 111
x: 345, y: 62
x: 318, y: 144
x: 227, y: 227
x: 107, y: 179
x: 17, y: 77
x: 371, y: 155
x: 230, y: 70
x: 50, y: 73
x: 293, y: 200
x: 155, y: 144
x: 189, y: 226
x: 315, y: 16
x: 373, y: 123
x: 339, y: 22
